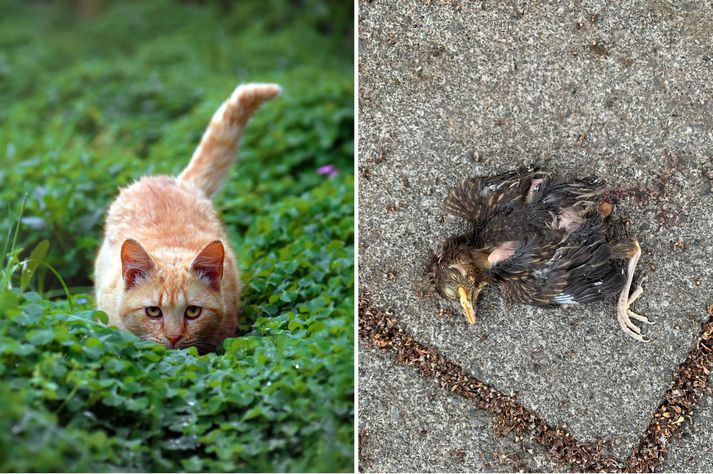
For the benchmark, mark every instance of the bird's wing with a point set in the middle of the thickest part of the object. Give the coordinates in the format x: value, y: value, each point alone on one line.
x: 578, y: 270
x: 560, y: 194
x: 473, y: 199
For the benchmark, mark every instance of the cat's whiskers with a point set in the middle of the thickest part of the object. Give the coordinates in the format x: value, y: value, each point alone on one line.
x: 150, y: 338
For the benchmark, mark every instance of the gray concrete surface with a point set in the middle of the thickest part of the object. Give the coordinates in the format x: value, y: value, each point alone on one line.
x: 437, y: 431
x: 455, y: 89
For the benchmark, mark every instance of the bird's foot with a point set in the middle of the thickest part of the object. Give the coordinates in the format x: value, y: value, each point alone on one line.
x: 633, y: 297
x: 624, y: 314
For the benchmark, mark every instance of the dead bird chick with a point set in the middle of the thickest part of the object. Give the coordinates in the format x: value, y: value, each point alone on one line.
x: 543, y: 239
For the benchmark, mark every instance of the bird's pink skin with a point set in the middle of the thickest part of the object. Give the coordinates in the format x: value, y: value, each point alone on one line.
x: 502, y: 252
x: 534, y: 186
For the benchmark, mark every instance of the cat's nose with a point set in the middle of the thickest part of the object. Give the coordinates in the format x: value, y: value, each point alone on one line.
x: 174, y: 339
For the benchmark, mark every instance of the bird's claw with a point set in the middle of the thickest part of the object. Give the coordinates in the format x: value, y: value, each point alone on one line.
x: 624, y: 314
x: 639, y: 317
x: 631, y: 329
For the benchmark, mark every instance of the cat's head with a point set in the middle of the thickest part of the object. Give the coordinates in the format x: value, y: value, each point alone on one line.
x: 173, y: 296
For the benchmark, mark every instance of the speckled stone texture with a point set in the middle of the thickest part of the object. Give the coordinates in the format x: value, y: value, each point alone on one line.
x: 624, y: 91
x: 436, y: 431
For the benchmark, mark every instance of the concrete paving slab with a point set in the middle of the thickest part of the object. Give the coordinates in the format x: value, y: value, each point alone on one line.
x: 456, y: 89
x: 427, y: 429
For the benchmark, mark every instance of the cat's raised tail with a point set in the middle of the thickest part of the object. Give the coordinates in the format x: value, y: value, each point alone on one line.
x: 216, y: 152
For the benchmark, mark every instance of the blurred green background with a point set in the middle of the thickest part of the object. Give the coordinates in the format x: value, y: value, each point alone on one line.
x: 94, y: 94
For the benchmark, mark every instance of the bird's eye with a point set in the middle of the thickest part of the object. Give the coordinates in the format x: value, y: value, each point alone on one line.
x: 192, y: 312
x: 449, y: 292
x: 153, y: 312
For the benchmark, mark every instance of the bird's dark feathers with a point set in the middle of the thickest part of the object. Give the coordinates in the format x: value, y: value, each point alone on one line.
x: 473, y: 198
x: 562, y: 254
x: 576, y: 270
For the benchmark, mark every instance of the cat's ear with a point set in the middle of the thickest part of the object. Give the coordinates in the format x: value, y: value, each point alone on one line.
x: 136, y: 264
x: 208, y: 264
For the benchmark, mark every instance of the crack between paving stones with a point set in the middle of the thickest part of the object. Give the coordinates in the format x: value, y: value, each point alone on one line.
x: 689, y: 384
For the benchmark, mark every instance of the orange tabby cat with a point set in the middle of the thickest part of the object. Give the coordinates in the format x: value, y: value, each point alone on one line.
x: 165, y: 270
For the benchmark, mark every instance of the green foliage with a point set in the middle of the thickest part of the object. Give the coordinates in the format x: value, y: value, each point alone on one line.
x: 101, y: 98
x: 92, y: 104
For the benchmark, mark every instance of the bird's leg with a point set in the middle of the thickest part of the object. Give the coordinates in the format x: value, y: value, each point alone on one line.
x: 635, y: 296
x: 624, y: 314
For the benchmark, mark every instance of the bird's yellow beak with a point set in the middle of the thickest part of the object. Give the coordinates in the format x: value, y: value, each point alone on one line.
x: 467, y: 305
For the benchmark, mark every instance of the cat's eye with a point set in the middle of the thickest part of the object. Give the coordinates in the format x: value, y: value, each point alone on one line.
x: 192, y: 312
x: 153, y: 312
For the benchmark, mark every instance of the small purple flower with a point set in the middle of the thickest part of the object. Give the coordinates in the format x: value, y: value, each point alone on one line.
x: 329, y: 171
